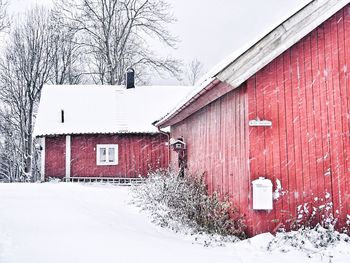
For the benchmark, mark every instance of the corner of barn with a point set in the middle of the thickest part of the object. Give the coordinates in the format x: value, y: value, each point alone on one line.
x: 287, y: 121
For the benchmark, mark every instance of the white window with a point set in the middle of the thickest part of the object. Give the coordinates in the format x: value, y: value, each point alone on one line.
x: 107, y: 154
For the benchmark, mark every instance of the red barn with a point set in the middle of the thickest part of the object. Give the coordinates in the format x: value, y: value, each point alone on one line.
x: 91, y: 132
x: 278, y: 111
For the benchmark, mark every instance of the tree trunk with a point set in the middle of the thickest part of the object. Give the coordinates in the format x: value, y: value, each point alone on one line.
x: 29, y: 146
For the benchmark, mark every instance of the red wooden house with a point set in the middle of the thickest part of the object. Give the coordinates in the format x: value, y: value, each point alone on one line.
x: 279, y: 110
x: 90, y: 132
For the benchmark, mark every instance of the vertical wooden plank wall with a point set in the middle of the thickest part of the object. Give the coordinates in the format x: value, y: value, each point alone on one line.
x: 216, y: 138
x: 137, y: 155
x: 305, y: 93
x: 55, y: 157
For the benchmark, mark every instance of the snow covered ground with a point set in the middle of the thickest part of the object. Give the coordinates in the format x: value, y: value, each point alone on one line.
x: 61, y: 222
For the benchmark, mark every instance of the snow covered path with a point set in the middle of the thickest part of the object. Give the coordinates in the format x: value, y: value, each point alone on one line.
x: 48, y: 223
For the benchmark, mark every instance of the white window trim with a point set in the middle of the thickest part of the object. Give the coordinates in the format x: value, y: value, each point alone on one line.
x: 107, y: 146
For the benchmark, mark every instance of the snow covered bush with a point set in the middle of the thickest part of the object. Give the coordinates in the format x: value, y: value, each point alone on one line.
x: 319, y: 213
x: 313, y: 230
x: 317, y: 237
x: 308, y: 216
x: 173, y: 200
x: 312, y: 241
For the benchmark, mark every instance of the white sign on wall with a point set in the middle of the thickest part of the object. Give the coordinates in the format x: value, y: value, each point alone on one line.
x: 258, y: 123
x: 262, y: 194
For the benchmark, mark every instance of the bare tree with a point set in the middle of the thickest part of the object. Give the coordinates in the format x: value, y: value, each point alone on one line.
x: 4, y: 22
x: 117, y: 35
x: 24, y: 69
x: 67, y: 60
x: 10, y: 158
x: 194, y: 71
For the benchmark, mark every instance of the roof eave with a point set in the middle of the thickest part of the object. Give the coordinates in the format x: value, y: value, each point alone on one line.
x: 279, y: 40
x: 269, y: 47
x: 175, y: 116
x: 41, y: 135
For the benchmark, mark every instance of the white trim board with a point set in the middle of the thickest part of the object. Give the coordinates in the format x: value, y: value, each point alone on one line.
x: 42, y: 159
x: 279, y: 40
x: 68, y: 156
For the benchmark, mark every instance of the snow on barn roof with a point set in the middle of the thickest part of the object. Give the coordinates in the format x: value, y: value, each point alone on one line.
x: 90, y: 109
x: 245, y: 62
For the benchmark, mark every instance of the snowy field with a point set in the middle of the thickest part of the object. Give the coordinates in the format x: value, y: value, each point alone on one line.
x: 47, y: 223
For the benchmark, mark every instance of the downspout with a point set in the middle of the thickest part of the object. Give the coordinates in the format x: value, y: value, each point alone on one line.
x: 167, y: 134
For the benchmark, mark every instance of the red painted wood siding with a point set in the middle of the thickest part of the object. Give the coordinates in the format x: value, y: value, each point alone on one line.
x: 305, y: 93
x: 55, y: 156
x: 137, y: 155
x: 217, y: 146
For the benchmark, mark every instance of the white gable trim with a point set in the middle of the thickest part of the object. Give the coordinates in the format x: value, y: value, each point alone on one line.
x: 280, y: 39
x: 257, y: 56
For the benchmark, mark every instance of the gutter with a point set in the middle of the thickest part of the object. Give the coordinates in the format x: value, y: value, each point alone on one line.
x: 206, y: 86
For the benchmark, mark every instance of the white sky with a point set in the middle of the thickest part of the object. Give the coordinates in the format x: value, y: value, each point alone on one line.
x: 210, y: 30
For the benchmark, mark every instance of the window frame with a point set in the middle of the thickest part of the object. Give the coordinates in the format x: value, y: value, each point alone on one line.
x: 107, y: 147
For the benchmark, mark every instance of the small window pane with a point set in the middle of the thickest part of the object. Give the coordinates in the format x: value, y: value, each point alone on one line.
x: 111, y: 155
x: 107, y: 154
x: 103, y: 155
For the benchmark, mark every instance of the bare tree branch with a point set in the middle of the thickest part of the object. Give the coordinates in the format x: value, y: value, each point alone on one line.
x: 68, y: 55
x: 4, y: 22
x: 194, y: 71
x: 26, y: 67
x: 116, y: 32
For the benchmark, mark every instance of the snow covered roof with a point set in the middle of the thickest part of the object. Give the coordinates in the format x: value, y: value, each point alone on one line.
x: 92, y: 109
x: 245, y: 62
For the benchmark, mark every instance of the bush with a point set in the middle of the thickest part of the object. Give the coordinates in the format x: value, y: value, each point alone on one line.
x: 186, y: 201
x: 313, y: 241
